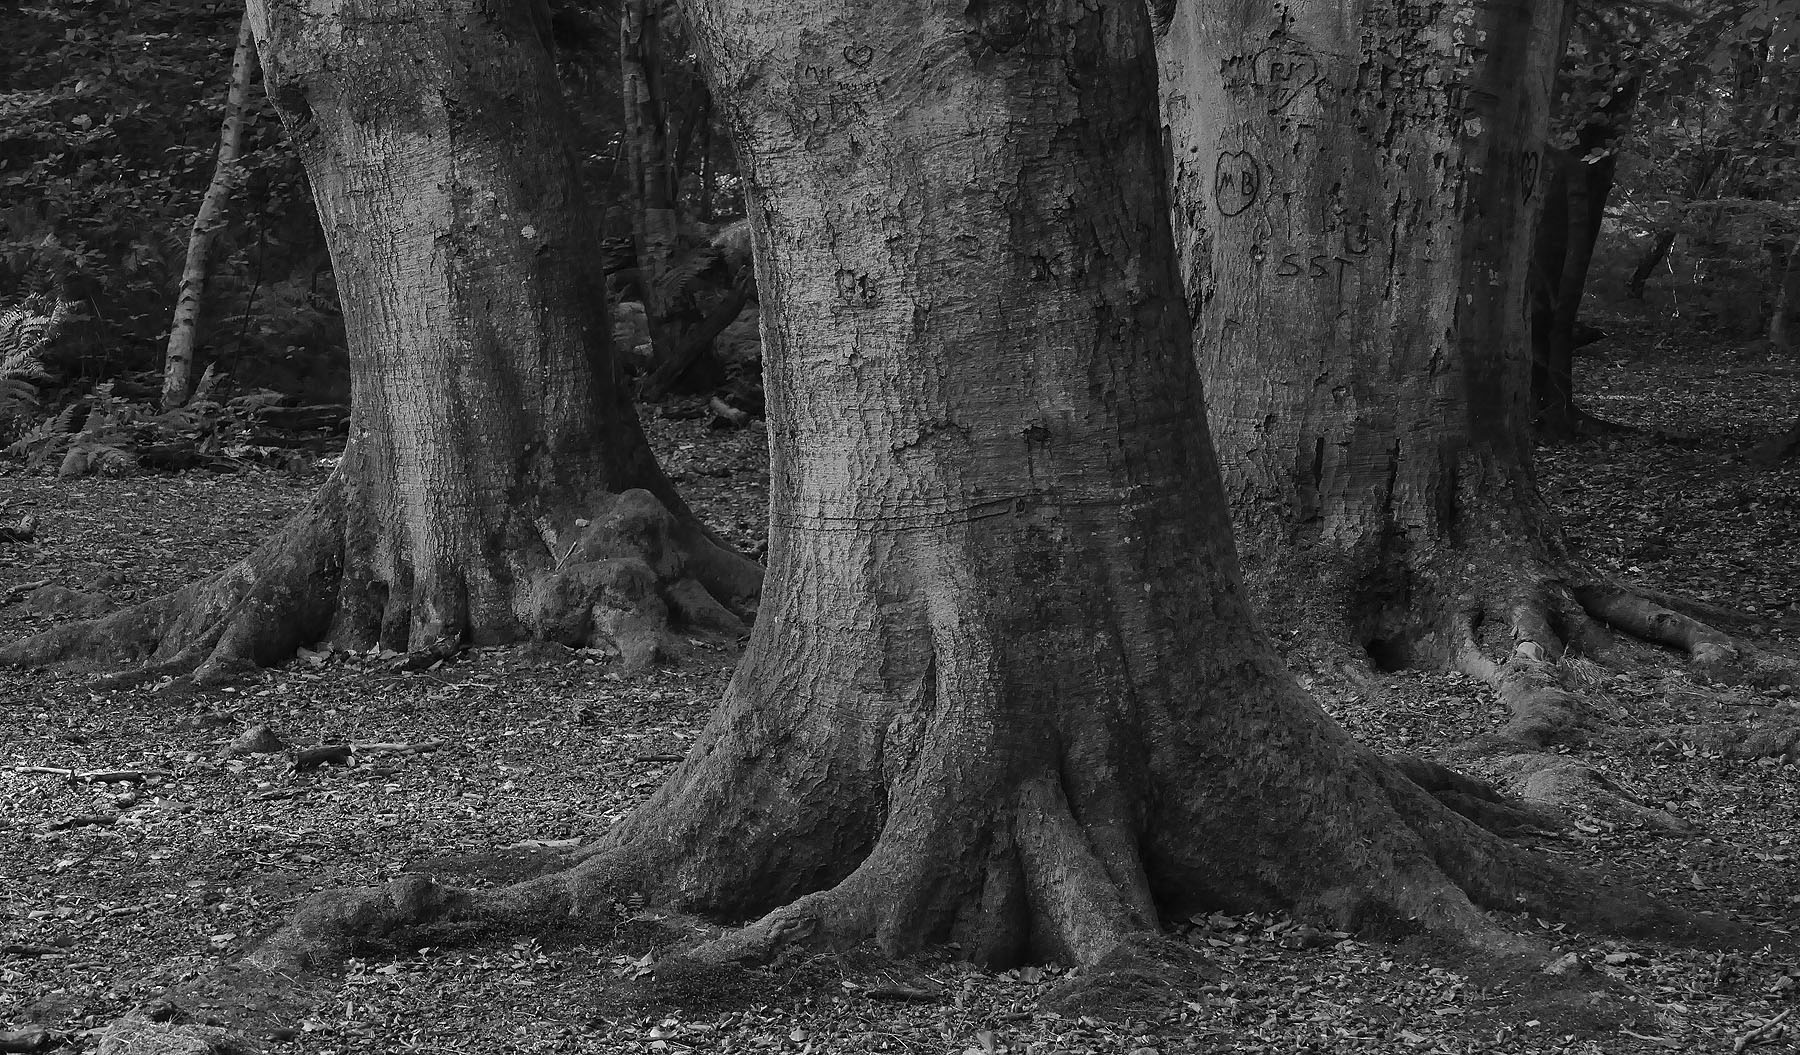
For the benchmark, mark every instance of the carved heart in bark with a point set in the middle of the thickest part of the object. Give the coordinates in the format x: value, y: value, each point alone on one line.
x: 1285, y: 73
x: 1237, y: 181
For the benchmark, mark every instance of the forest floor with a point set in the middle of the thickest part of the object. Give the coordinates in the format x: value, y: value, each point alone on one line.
x: 110, y: 892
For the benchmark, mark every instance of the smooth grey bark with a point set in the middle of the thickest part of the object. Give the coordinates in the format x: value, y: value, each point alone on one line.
x: 496, y: 485
x: 1005, y: 688
x: 1354, y: 190
x: 1354, y: 193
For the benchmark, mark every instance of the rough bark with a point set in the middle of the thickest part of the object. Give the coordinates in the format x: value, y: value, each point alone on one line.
x: 655, y: 223
x: 1354, y: 192
x: 1006, y: 689
x: 178, y: 360
x: 496, y: 485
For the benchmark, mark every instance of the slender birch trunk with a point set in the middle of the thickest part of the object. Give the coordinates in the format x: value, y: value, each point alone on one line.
x: 178, y: 361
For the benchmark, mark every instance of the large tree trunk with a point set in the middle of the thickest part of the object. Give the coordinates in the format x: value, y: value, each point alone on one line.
x: 1006, y: 689
x: 496, y: 485
x: 1354, y: 193
x: 178, y: 360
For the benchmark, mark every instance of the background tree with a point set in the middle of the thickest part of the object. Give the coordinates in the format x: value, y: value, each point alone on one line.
x: 496, y: 485
x: 1710, y: 167
x: 1598, y: 84
x: 109, y: 133
x: 1355, y: 227
x: 178, y: 361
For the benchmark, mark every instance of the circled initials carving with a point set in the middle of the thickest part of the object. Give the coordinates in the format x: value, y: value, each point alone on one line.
x: 1237, y: 181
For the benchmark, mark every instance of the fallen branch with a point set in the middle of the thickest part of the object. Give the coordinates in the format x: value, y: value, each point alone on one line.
x: 1757, y: 1035
x: 329, y: 755
x: 90, y: 820
x: 15, y: 592
x: 98, y: 776
x: 423, y: 747
x: 902, y: 993
x: 31, y: 1038
x: 344, y: 754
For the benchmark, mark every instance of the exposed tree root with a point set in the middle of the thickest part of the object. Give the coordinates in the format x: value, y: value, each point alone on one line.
x: 1520, y: 625
x: 254, y: 613
x: 1579, y: 424
x: 1718, y: 655
x: 1475, y: 799
x: 1549, y: 782
x: 1044, y: 886
x: 634, y: 579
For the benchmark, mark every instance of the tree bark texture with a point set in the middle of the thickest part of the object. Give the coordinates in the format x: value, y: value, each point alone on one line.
x: 655, y: 223
x: 1005, y: 688
x: 178, y: 360
x: 496, y: 484
x: 1353, y: 195
x: 1354, y: 190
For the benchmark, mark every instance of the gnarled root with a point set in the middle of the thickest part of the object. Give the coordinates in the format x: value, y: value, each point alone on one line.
x: 1475, y: 799
x: 1718, y: 655
x: 1536, y: 649
x: 635, y: 579
x: 253, y: 613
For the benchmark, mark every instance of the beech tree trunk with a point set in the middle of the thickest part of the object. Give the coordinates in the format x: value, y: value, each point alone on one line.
x: 1006, y: 689
x: 1354, y: 191
x: 178, y: 360
x: 496, y: 485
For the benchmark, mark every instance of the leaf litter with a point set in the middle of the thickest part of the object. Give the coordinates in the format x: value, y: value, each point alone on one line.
x: 111, y: 890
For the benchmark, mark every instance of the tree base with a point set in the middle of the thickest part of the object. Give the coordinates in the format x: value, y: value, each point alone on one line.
x: 635, y: 581
x: 1523, y: 621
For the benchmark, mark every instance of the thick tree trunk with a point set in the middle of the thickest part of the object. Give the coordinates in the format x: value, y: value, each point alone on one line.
x: 178, y: 360
x: 1355, y: 235
x: 496, y: 485
x: 1354, y: 193
x: 1006, y: 689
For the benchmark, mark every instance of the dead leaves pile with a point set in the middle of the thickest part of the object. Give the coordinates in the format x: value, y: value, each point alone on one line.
x: 111, y: 889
